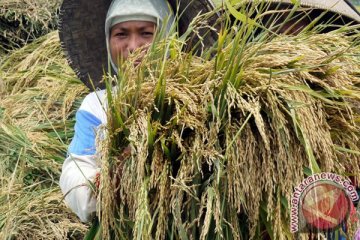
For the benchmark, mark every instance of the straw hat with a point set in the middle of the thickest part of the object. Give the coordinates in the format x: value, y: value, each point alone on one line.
x: 82, y: 33
x: 341, y: 7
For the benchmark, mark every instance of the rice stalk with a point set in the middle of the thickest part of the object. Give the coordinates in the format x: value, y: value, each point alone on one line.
x: 31, y: 213
x: 36, y: 124
x: 38, y: 108
x: 23, y: 21
x: 35, y: 62
x: 217, y: 145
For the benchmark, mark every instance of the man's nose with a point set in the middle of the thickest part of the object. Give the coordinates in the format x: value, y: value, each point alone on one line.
x: 134, y: 43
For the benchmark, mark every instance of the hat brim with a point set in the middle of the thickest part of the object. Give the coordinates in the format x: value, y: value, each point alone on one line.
x: 342, y: 7
x: 82, y: 34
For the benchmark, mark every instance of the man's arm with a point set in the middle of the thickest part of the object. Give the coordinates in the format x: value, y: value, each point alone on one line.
x: 81, y: 166
x: 76, y: 173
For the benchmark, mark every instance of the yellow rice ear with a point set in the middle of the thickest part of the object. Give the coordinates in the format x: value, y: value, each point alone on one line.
x: 226, y: 139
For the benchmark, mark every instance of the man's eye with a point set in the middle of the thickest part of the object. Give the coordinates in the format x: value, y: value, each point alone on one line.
x: 147, y: 34
x: 121, y: 34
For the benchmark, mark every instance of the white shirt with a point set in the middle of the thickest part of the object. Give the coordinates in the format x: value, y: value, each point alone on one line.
x: 81, y: 164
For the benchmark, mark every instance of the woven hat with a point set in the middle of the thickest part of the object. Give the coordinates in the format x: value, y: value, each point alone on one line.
x: 342, y: 7
x: 82, y: 33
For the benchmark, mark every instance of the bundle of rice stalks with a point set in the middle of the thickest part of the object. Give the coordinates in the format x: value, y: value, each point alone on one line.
x: 35, y: 64
x: 217, y: 145
x: 38, y: 105
x: 31, y: 213
x: 23, y: 21
x: 39, y: 97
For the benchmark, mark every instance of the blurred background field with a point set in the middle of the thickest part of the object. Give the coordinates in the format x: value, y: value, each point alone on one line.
x: 356, y: 3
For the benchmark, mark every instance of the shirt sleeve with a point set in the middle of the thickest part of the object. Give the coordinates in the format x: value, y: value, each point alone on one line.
x: 81, y: 166
x: 76, y: 172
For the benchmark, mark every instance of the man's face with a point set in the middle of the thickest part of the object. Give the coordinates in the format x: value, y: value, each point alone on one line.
x: 126, y: 37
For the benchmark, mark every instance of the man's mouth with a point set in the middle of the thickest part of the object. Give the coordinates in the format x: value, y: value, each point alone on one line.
x: 137, y: 62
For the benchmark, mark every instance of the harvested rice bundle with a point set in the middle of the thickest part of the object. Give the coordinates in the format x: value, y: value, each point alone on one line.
x: 37, y: 106
x: 35, y: 62
x: 36, y: 124
x: 218, y: 145
x: 23, y: 21
x: 32, y: 213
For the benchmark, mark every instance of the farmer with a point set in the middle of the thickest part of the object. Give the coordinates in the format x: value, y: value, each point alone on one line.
x: 129, y: 25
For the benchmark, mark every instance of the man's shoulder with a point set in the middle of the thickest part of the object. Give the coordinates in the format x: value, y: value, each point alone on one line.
x: 96, y: 97
x: 95, y: 104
